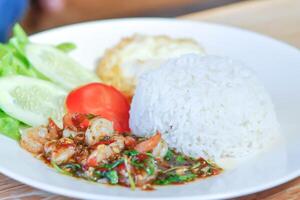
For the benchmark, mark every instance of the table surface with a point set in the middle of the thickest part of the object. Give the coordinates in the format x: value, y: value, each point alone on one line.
x: 277, y: 18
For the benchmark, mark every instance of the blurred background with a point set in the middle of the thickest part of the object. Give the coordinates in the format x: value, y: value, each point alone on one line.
x: 38, y: 15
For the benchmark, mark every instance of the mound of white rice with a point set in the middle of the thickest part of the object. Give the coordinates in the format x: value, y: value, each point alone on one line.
x: 205, y: 106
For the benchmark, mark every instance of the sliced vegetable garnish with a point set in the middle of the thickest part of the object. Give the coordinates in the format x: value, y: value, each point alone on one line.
x: 66, y: 47
x: 58, y: 66
x: 175, y: 178
x: 114, y: 164
x: 72, y: 166
x: 180, y: 159
x: 198, y: 164
x: 99, y: 174
x: 169, y: 155
x: 31, y: 100
x: 131, y: 181
x: 103, y: 100
x: 60, y: 170
x: 112, y: 176
x: 131, y: 152
x: 150, y: 166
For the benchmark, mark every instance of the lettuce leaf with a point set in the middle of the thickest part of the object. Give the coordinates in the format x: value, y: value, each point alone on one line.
x: 9, y: 126
x: 12, y: 56
x: 13, y: 61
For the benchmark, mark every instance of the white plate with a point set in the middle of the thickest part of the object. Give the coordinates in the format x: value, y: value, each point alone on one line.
x: 277, y: 64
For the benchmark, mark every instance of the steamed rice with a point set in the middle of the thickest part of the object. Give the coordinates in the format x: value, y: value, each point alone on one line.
x: 208, y: 106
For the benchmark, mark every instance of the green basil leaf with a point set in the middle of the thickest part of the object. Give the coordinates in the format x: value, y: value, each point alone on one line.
x: 112, y: 177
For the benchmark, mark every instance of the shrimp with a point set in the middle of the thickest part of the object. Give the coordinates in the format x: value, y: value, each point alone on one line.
x: 67, y: 133
x: 60, y: 151
x: 104, y: 152
x: 98, y: 129
x: 54, y: 132
x: 33, y: 139
x: 160, y: 150
x: 81, y: 155
x: 142, y: 178
x: 75, y: 121
x: 130, y: 142
x: 149, y: 144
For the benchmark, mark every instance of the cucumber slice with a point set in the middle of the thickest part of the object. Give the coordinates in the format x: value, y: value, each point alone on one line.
x: 58, y: 66
x: 32, y: 101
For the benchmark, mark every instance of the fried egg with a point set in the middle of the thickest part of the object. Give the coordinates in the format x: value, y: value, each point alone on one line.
x: 122, y: 64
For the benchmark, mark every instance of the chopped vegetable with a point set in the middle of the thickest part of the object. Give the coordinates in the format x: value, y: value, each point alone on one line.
x: 102, y: 100
x: 114, y: 164
x: 136, y: 163
x: 180, y: 159
x: 169, y: 155
x: 66, y: 47
x: 31, y: 100
x: 72, y: 166
x: 112, y: 176
x: 98, y: 174
x: 131, y: 152
x: 175, y: 178
x: 150, y: 166
x: 131, y: 181
x: 58, y: 66
x: 60, y: 170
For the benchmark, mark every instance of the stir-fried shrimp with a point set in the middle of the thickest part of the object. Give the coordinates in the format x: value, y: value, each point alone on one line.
x: 54, y: 132
x: 130, y: 142
x: 75, y: 122
x: 81, y: 155
x: 69, y: 133
x: 143, y: 178
x: 99, y: 128
x: 119, y: 143
x: 60, y: 151
x: 33, y: 139
x: 149, y: 144
x: 100, y: 154
x: 88, y: 147
x: 160, y: 150
x: 104, y: 152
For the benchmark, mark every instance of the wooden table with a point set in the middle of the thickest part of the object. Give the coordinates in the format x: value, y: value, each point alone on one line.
x: 277, y: 18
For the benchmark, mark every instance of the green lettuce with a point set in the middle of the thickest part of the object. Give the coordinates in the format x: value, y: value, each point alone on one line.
x: 12, y: 56
x: 9, y: 126
x: 13, y: 61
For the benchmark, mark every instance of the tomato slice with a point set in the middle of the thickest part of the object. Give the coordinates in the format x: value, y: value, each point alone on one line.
x: 103, y: 100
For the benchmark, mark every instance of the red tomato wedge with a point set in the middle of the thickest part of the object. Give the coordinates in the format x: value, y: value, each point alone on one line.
x: 103, y: 100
